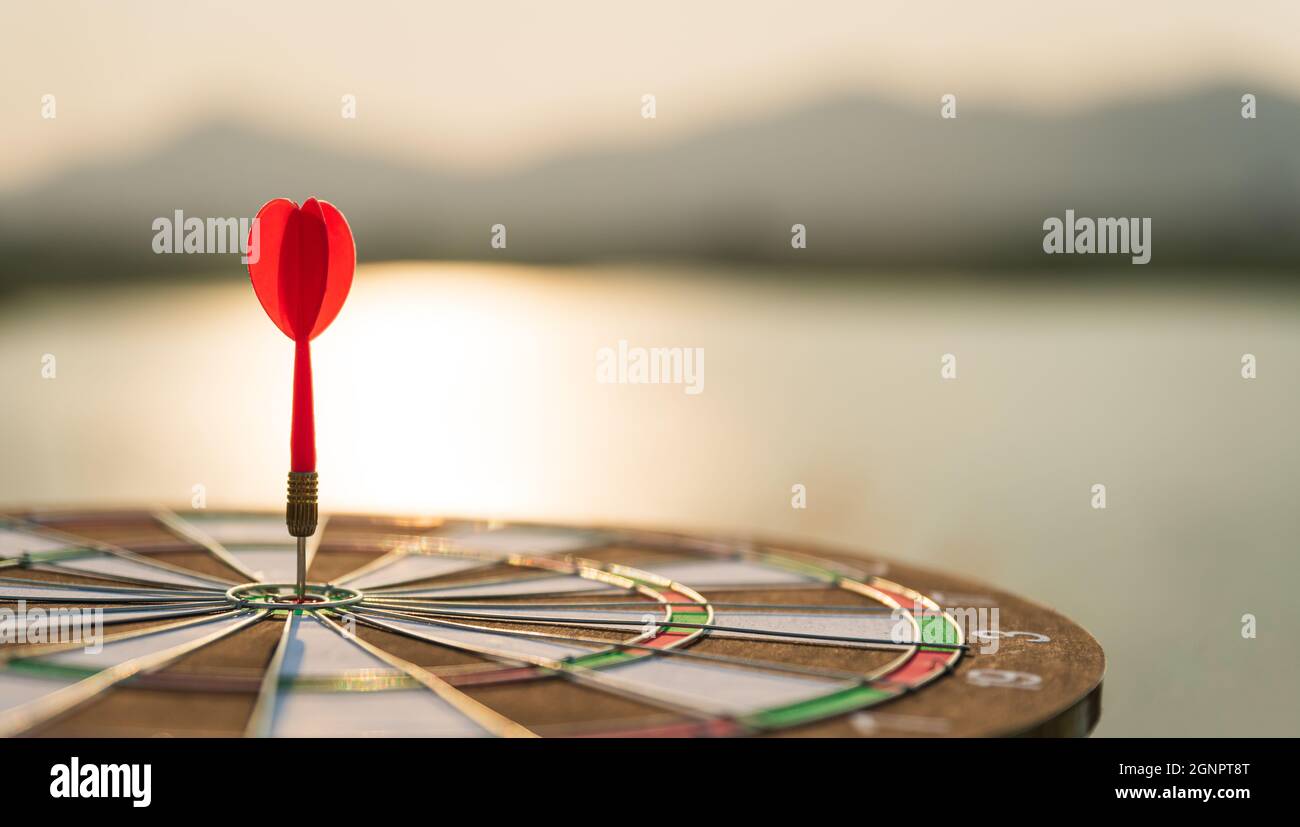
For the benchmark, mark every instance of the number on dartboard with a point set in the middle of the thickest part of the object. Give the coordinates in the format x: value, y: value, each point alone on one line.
x: 997, y: 634
x: 1003, y: 679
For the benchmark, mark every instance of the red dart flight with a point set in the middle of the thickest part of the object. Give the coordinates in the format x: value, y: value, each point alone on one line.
x: 301, y: 261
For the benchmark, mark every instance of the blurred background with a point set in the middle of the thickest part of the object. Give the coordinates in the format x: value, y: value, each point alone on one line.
x: 461, y: 378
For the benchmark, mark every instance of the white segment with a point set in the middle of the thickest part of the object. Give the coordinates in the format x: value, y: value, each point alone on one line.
x: 408, y: 713
x: 714, y: 573
x: 61, y: 624
x: 412, y: 567
x: 557, y: 584
x: 14, y: 542
x: 525, y: 539
x: 715, y: 688
x: 655, y: 610
x: 876, y: 626
x: 114, y: 566
x: 502, y: 644
x: 123, y: 650
x: 246, y: 529
x: 58, y: 591
x: 315, y: 651
x: 273, y: 565
x: 17, y: 689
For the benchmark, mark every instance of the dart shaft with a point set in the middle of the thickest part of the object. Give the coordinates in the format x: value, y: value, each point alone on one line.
x: 302, y: 439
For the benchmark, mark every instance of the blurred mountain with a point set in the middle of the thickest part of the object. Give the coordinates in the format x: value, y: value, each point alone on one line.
x: 877, y: 185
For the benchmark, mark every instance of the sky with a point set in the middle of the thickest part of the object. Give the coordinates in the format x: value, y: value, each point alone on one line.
x: 479, y: 85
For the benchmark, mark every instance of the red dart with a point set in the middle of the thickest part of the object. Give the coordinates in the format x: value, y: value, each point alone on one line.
x: 301, y: 261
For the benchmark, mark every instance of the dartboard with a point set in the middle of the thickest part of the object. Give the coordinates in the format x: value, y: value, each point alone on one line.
x: 186, y: 623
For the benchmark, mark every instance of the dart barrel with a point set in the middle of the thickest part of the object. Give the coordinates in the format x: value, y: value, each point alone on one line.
x: 301, y: 511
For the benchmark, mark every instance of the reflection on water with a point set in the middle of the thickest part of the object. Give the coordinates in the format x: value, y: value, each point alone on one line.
x: 468, y: 389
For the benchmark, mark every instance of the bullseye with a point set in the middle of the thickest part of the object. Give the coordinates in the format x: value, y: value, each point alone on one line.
x: 314, y: 596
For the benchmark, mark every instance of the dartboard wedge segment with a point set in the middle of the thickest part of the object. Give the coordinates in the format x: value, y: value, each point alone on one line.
x: 443, y: 627
x: 75, y: 682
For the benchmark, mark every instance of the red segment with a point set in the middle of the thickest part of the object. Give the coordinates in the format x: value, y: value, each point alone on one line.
x: 921, y: 666
x: 666, y: 640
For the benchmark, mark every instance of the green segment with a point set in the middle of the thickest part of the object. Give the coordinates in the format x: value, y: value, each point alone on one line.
x: 800, y: 567
x: 602, y: 659
x: 46, y: 669
x: 698, y: 618
x: 936, y: 629
x: 846, y: 700
x: 60, y: 554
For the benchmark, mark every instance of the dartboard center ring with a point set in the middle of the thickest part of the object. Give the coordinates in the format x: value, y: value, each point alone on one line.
x: 315, y: 596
